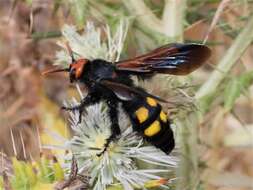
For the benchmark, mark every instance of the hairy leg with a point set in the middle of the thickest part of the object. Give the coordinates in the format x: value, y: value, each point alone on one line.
x: 90, y: 99
x: 115, y: 129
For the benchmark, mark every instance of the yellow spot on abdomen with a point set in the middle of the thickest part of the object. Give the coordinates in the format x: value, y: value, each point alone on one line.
x: 153, y: 129
x: 163, y: 116
x: 151, y: 101
x: 142, y: 114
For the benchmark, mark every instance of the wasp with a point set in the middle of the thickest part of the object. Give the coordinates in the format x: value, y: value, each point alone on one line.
x: 113, y: 84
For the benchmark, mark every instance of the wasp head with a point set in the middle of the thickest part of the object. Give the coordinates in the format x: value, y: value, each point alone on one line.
x: 76, y: 69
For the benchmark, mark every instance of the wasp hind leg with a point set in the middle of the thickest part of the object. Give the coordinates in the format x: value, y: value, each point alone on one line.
x: 115, y: 129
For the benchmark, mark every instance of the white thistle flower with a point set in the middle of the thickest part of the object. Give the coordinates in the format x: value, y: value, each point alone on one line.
x: 90, y: 45
x: 119, y: 163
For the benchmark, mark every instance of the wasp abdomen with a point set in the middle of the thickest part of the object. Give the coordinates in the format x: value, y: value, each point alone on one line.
x: 160, y: 135
x: 148, y: 118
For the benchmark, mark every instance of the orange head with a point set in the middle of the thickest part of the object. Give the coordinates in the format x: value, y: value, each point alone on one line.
x: 75, y: 69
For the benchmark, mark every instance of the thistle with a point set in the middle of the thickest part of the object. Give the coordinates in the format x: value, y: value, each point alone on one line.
x: 120, y: 163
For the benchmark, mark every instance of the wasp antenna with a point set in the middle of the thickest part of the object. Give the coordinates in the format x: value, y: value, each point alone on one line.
x: 55, y: 71
x: 70, y: 52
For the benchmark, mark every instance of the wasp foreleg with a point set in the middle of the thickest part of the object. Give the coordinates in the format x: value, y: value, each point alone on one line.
x: 90, y: 99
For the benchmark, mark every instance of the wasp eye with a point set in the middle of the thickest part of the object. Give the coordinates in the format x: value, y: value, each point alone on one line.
x: 72, y: 75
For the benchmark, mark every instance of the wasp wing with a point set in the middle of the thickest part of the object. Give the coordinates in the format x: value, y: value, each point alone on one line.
x: 175, y: 59
x: 127, y: 93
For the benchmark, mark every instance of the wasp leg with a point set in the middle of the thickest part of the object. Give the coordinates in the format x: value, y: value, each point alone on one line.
x: 115, y: 129
x: 90, y: 99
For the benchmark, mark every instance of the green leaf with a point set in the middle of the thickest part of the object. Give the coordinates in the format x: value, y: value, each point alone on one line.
x: 235, y: 88
x: 46, y: 174
x: 57, y: 169
x: 20, y: 181
x: 44, y: 35
x: 1, y: 183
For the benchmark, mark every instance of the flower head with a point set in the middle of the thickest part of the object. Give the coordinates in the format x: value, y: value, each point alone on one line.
x: 120, y: 163
x: 90, y: 44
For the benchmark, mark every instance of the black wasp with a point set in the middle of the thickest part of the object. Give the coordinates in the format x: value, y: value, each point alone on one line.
x: 113, y: 84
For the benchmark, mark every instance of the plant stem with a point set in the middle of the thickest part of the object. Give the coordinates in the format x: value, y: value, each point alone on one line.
x: 173, y: 19
x: 144, y: 15
x: 43, y: 35
x: 188, y: 168
x: 188, y: 130
x: 236, y: 50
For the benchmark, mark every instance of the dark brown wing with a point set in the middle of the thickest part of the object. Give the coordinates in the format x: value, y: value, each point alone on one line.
x: 126, y: 93
x: 175, y: 59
